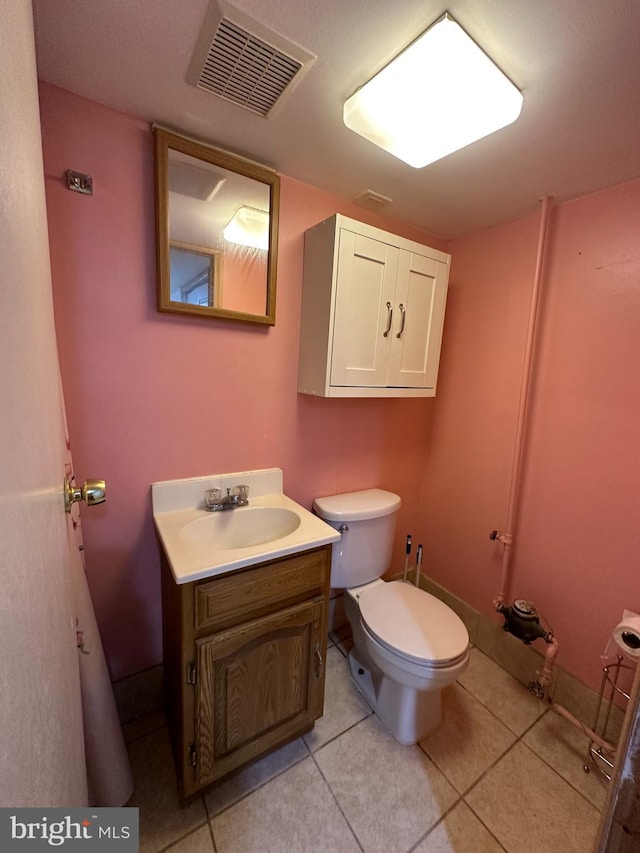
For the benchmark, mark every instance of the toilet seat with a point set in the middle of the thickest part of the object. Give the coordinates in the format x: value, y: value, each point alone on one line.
x: 413, y: 625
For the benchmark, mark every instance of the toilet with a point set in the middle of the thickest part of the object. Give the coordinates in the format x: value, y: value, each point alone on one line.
x: 408, y: 645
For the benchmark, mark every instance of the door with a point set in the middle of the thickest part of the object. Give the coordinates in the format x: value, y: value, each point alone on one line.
x: 41, y: 735
x: 364, y: 311
x: 415, y: 344
x: 257, y: 685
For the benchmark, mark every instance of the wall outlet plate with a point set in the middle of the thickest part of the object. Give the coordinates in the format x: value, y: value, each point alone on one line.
x: 79, y: 183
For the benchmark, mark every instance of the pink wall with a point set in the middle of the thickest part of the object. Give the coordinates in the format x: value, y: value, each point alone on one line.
x: 244, y: 277
x: 578, y: 538
x: 155, y: 396
x: 147, y: 401
x: 466, y: 480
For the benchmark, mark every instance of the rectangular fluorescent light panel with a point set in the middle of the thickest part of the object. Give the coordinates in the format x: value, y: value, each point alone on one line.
x: 440, y: 94
x: 248, y: 227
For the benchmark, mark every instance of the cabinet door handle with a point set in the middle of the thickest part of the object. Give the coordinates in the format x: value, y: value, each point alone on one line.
x: 389, y: 319
x: 404, y: 317
x: 319, y: 660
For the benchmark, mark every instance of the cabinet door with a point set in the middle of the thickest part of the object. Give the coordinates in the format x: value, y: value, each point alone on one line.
x: 417, y: 333
x: 364, y: 310
x: 258, y: 684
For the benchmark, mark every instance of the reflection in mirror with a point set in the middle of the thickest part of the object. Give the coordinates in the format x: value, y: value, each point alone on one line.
x: 195, y: 275
x: 216, y: 218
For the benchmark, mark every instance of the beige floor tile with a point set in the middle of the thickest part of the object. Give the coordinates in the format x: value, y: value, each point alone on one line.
x: 198, y: 842
x: 294, y: 813
x: 390, y: 794
x: 468, y: 740
x: 343, y: 705
x: 511, y: 654
x: 236, y: 786
x: 162, y: 820
x: 564, y: 747
x: 530, y: 808
x: 460, y: 832
x: 498, y: 691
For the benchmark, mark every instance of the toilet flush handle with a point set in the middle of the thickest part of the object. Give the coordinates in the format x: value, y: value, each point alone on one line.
x: 344, y: 528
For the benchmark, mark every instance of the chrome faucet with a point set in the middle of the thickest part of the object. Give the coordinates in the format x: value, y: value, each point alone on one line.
x: 215, y: 501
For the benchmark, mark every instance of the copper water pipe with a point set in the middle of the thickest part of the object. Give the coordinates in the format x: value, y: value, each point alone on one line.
x: 516, y: 468
x: 506, y: 538
x: 546, y: 675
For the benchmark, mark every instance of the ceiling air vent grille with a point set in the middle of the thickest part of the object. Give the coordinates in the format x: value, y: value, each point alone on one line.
x: 245, y: 69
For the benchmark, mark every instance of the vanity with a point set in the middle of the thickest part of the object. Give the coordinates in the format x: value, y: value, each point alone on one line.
x: 245, y: 606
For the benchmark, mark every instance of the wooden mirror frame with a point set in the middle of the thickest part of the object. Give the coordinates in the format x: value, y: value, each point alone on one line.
x: 164, y: 141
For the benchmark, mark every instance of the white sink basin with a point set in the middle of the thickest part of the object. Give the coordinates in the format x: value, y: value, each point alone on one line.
x: 242, y: 528
x: 200, y: 544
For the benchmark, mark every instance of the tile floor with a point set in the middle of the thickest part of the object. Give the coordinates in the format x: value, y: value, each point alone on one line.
x: 501, y: 773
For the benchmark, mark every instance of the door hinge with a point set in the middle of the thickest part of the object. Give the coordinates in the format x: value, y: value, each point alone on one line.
x: 192, y: 674
x: 193, y: 755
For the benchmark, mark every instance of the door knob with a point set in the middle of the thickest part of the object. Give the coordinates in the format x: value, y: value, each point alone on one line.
x: 92, y: 492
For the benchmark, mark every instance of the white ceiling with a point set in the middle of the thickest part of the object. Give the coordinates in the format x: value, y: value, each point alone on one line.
x: 576, y: 61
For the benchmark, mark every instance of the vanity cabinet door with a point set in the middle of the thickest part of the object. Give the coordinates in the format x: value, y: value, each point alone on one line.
x: 259, y: 684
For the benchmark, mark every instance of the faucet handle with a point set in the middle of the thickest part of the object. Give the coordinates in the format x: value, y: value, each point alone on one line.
x: 212, y: 497
x: 243, y: 492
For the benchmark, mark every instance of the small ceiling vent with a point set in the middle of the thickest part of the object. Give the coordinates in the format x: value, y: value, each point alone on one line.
x: 372, y: 199
x: 242, y: 61
x: 192, y: 181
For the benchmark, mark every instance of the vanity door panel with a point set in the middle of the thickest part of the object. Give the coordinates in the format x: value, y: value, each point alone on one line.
x: 259, y: 684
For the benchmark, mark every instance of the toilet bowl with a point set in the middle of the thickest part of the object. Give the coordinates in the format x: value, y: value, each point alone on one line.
x: 408, y: 645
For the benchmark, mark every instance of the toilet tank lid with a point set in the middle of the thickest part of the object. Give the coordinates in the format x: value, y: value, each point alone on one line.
x: 357, y: 506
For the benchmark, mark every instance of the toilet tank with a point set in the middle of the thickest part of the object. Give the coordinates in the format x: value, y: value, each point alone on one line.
x: 366, y: 521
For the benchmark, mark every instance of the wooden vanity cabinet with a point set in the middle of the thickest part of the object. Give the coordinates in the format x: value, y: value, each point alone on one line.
x: 244, y: 662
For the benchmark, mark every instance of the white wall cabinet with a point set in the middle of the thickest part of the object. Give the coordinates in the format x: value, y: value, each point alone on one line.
x: 372, y: 312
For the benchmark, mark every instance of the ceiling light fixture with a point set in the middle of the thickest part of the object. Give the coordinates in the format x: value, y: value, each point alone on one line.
x: 248, y: 227
x: 440, y: 94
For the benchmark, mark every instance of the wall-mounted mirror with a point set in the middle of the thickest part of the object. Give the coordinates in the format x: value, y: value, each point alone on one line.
x: 216, y: 232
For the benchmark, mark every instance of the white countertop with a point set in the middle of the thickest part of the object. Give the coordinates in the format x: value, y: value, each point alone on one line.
x: 179, y: 503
